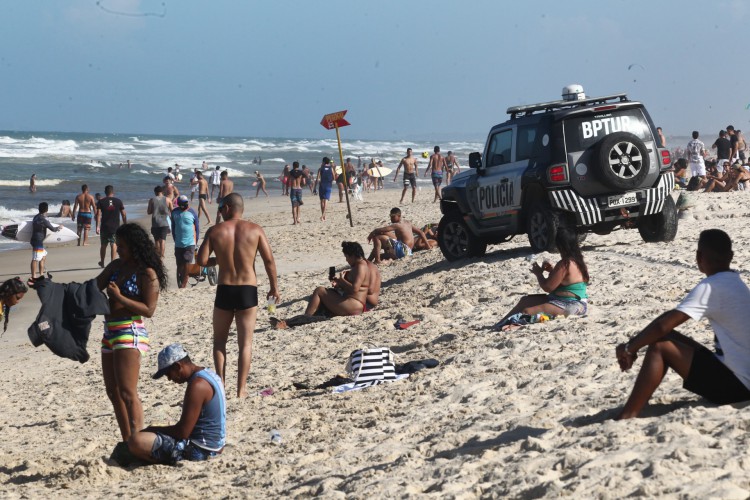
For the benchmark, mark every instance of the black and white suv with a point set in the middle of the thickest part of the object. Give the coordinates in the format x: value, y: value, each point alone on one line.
x: 595, y: 164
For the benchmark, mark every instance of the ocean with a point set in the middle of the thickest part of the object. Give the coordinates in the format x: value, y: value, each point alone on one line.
x: 63, y: 162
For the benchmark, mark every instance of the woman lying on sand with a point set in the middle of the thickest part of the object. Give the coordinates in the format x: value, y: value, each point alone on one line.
x: 565, y: 285
x: 11, y: 292
x: 133, y: 282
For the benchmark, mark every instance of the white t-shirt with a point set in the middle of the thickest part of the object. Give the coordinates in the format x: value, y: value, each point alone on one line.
x: 695, y: 150
x: 723, y: 298
x: 215, y: 177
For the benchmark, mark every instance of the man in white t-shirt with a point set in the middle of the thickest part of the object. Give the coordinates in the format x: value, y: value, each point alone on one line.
x: 722, y: 376
x: 215, y: 182
x: 696, y: 152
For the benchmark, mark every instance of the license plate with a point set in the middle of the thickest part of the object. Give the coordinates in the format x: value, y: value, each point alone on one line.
x: 622, y: 200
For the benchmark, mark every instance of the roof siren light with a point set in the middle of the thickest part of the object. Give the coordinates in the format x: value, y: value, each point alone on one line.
x: 573, y: 92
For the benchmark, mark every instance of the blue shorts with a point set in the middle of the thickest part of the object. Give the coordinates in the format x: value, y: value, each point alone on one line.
x: 400, y: 249
x: 324, y: 192
x: 168, y: 450
x: 296, y: 196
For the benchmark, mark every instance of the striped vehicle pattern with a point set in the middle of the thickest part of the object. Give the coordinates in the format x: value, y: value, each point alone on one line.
x: 589, y: 212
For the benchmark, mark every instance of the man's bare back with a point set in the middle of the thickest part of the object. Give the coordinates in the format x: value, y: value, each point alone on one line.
x: 437, y: 162
x: 235, y: 243
x: 84, y: 202
x: 226, y: 187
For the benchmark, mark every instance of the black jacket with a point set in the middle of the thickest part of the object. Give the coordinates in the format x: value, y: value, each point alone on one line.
x: 64, y: 320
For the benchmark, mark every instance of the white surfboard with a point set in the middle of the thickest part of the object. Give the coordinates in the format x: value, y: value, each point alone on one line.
x: 383, y: 171
x: 64, y: 235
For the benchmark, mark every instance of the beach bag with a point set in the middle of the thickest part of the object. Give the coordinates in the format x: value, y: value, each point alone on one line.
x: 371, y: 365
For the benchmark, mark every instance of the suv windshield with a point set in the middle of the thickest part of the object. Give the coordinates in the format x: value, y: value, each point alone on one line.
x: 583, y: 132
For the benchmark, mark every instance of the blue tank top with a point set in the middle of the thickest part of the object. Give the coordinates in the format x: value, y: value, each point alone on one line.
x: 326, y: 175
x: 210, y: 431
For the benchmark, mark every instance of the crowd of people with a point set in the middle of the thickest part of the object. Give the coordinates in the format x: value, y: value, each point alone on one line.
x: 134, y: 280
x: 696, y: 168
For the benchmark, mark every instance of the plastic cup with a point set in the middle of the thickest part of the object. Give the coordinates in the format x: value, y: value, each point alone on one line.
x: 272, y: 305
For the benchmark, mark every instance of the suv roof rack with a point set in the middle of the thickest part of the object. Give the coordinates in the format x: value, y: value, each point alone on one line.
x: 552, y: 105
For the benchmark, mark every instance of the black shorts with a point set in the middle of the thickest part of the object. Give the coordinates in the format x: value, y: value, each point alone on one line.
x: 410, y: 179
x: 710, y: 378
x: 236, y: 297
x: 184, y: 255
x: 160, y: 233
x: 202, y: 196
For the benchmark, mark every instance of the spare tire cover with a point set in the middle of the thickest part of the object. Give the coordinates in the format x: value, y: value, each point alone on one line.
x: 623, y: 161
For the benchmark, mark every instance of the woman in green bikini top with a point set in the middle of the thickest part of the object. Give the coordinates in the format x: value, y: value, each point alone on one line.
x: 565, y: 283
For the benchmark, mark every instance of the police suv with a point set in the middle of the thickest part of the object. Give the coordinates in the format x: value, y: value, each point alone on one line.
x: 595, y: 164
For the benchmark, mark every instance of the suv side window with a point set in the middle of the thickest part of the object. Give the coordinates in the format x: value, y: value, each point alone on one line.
x: 525, y: 142
x: 499, y: 151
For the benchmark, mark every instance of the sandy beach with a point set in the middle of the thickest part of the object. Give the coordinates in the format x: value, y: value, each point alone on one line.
x: 525, y: 414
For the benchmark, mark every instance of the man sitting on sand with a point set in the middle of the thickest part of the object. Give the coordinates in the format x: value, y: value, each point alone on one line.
x: 202, y: 429
x: 354, y: 292
x: 396, y: 240
x: 722, y: 376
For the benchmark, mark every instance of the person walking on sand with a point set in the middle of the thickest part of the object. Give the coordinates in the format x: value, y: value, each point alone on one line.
x: 132, y: 282
x: 202, y: 196
x: 193, y: 184
x: 722, y: 376
x: 201, y: 431
x: 396, y: 239
x: 295, y: 191
x: 185, y: 232
x: 108, y: 213
x: 170, y: 190
x: 437, y: 165
x: 308, y: 181
x: 84, y: 205
x: 40, y: 224
x: 696, y: 152
x: 225, y: 187
x: 261, y: 184
x: 215, y: 183
x: 452, y: 167
x: 284, y: 178
x: 159, y: 209
x: 411, y: 171
x: 235, y: 243
x: 324, y: 183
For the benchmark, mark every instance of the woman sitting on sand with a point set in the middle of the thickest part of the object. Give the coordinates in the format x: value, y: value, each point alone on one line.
x: 133, y: 283
x: 565, y: 284
x: 353, y: 293
x: 11, y: 292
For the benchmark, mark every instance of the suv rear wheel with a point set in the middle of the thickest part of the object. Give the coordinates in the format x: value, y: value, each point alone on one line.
x: 455, y: 239
x: 624, y: 161
x: 661, y: 226
x: 542, y: 224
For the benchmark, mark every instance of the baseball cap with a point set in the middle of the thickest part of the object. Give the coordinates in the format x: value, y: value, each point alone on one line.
x: 182, y: 200
x: 169, y: 356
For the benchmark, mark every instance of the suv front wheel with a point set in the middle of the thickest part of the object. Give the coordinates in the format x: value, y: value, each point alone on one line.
x: 455, y: 239
x: 661, y: 226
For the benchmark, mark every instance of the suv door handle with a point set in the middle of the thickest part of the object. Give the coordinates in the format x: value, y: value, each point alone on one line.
x: 504, y: 180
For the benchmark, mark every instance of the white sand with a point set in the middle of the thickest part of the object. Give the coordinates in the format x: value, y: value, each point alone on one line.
x: 522, y: 414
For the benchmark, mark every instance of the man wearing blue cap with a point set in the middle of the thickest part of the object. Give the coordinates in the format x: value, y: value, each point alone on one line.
x: 201, y: 431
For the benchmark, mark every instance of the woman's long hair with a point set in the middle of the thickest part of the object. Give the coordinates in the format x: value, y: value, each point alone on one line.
x: 8, y: 289
x: 143, y: 251
x: 567, y: 244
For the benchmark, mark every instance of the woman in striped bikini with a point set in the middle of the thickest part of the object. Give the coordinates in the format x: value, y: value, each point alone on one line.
x: 132, y: 282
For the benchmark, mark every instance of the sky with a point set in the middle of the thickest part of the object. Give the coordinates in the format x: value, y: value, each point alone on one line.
x: 404, y: 69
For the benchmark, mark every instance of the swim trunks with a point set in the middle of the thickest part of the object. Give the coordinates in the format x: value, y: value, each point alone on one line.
x: 168, y: 450
x: 712, y: 379
x: 203, y: 196
x: 437, y: 178
x: 84, y: 219
x: 236, y: 297
x: 125, y: 333
x: 37, y: 254
x: 400, y: 248
x: 296, y: 196
x: 410, y: 179
x: 184, y: 255
x: 324, y: 192
x: 570, y: 306
x: 105, y: 237
x: 160, y: 233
